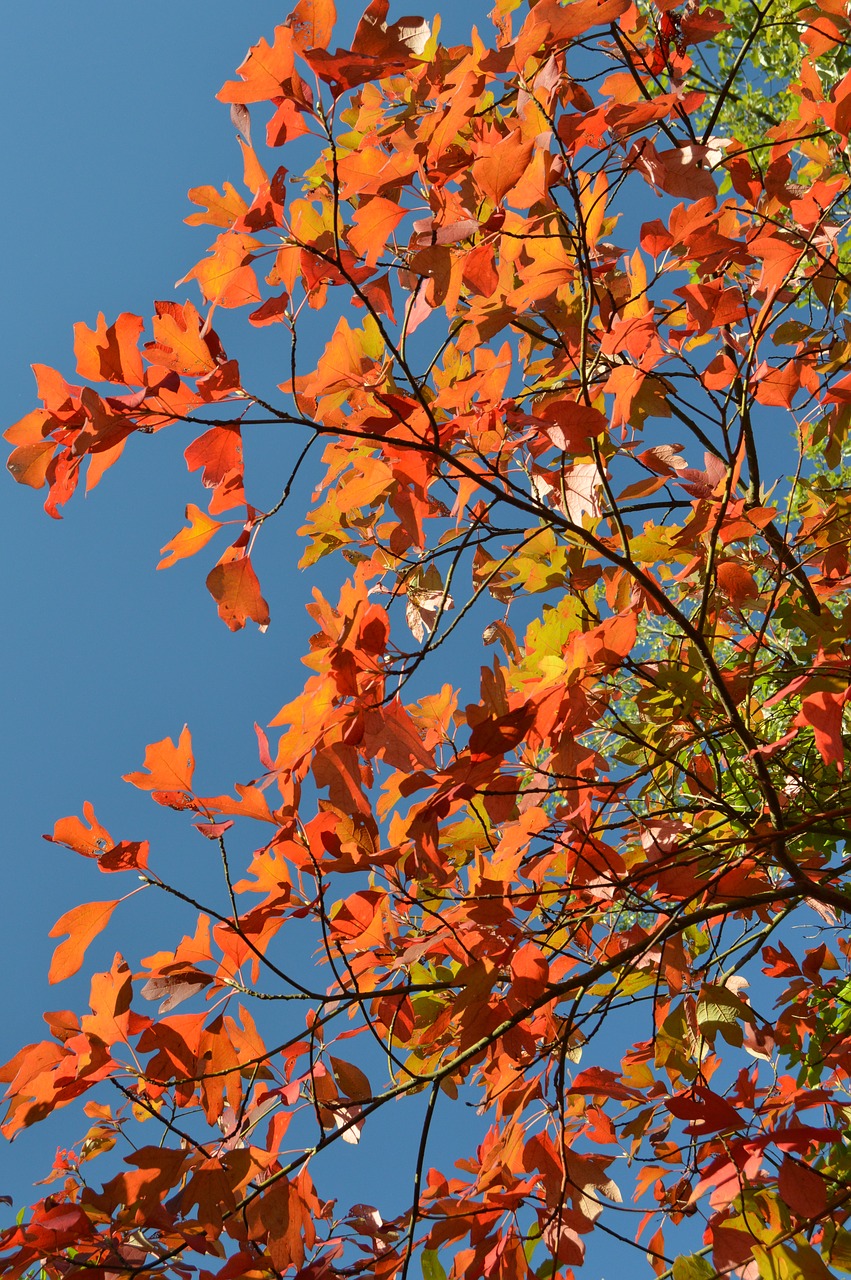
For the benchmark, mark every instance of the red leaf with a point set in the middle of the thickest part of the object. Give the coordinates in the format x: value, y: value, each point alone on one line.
x: 706, y: 1112
x: 804, y: 1190
x: 822, y: 712
x: 212, y: 830
x: 499, y: 734
x: 602, y: 1083
x: 378, y: 50
x: 271, y: 310
x: 683, y: 171
x: 128, y: 855
x: 218, y: 451
x: 574, y: 425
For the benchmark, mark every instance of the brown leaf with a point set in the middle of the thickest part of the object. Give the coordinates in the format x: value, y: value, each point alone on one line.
x: 351, y: 1080
x: 240, y: 118
x: 175, y: 988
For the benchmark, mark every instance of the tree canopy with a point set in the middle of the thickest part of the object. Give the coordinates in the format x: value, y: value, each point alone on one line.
x: 545, y: 838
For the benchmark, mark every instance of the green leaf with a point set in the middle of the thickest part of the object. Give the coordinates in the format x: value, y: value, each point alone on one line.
x: 431, y: 1265
x: 531, y: 1242
x: 692, y: 1267
x: 720, y: 1010
x: 839, y: 1253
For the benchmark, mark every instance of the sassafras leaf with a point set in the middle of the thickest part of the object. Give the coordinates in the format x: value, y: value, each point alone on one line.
x: 82, y: 924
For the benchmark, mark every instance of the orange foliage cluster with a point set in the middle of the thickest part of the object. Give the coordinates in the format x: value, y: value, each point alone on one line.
x: 647, y: 786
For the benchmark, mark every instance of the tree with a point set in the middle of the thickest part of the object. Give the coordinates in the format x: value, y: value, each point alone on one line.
x: 567, y: 889
x: 764, y: 51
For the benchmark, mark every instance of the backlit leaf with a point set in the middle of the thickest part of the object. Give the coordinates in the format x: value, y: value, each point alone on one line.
x: 234, y: 586
x: 169, y: 767
x: 82, y: 924
x: 188, y: 541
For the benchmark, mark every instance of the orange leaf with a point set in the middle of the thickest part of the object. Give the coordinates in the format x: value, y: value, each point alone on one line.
x: 550, y: 21
x: 31, y: 429
x: 178, y: 343
x: 100, y: 462
x: 254, y: 175
x: 374, y: 221
x: 225, y: 277
x: 529, y: 972
x: 82, y: 924
x: 170, y: 767
x: 74, y: 834
x: 265, y: 69
x: 222, y: 210
x: 234, y: 586
x: 110, y: 355
x: 497, y: 173
x: 54, y: 391
x: 312, y: 22
x: 29, y: 462
x: 737, y: 583
x: 188, y: 541
x: 568, y: 21
x: 777, y: 386
x: 251, y: 804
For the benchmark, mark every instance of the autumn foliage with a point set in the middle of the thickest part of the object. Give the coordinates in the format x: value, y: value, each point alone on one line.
x: 566, y: 777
